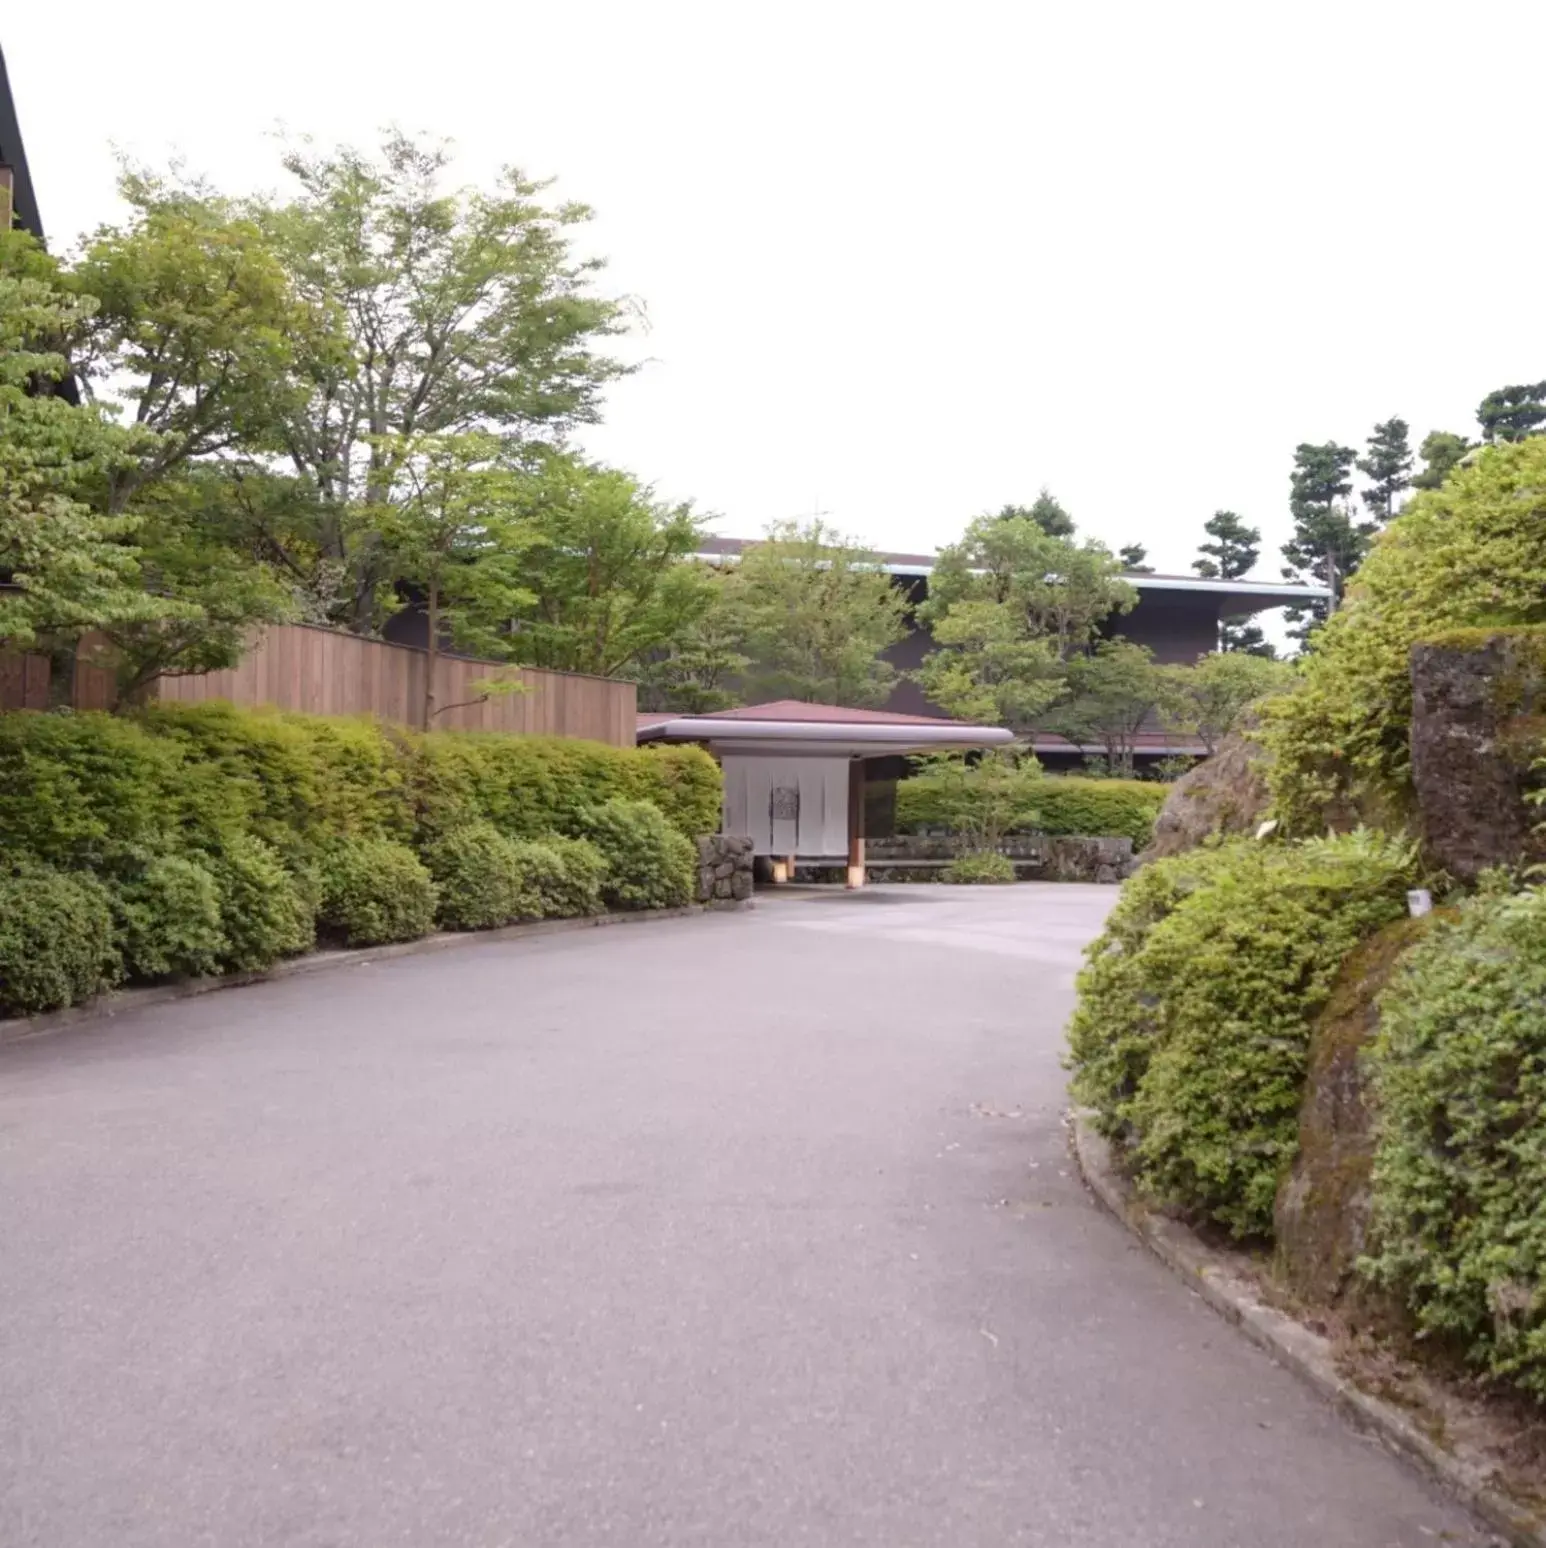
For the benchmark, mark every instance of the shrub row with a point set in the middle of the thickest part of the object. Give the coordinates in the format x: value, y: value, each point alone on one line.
x: 195, y: 839
x: 1063, y: 805
x: 1196, y: 1004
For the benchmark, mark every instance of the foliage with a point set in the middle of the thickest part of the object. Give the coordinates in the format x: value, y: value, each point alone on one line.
x: 1512, y: 413
x: 1232, y: 553
x: 649, y: 863
x: 265, y: 913
x: 1460, y: 1165
x: 1061, y: 804
x: 1441, y: 452
x: 372, y: 890
x: 1112, y: 690
x: 67, y: 563
x: 566, y: 875
x: 981, y: 800
x: 450, y: 311
x: 1133, y: 558
x: 695, y: 672
x: 56, y: 941
x: 605, y: 572
x: 981, y: 866
x: 1211, y: 696
x: 1008, y: 606
x: 1471, y: 552
x: 1328, y: 543
x: 1388, y: 467
x: 480, y: 878
x: 815, y: 612
x: 166, y: 915
x: 1046, y: 512
x: 1196, y: 1005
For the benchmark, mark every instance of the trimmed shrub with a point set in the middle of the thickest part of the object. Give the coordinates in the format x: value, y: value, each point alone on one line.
x: 56, y: 941
x: 482, y: 877
x: 1470, y: 553
x: 532, y: 786
x: 1196, y: 1006
x: 1459, y: 1227
x: 1055, y: 804
x: 986, y: 866
x: 566, y: 873
x: 372, y: 890
x: 265, y: 912
x: 650, y: 864
x: 166, y: 911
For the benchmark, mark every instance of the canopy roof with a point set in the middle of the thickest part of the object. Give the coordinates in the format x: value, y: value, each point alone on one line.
x: 832, y: 730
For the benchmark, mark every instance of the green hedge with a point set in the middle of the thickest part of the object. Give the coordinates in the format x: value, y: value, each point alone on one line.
x: 1195, y: 1009
x: 1065, y: 804
x: 56, y: 941
x: 1459, y: 1223
x: 220, y: 836
x: 649, y: 864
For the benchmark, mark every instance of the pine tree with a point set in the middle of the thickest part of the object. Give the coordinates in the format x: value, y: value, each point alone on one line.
x: 1134, y: 557
x: 1441, y: 451
x: 1388, y: 467
x: 1232, y: 553
x: 1328, y: 543
x: 1512, y: 413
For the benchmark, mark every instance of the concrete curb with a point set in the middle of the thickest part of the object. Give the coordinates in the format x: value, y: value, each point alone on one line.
x: 120, y: 1001
x: 1306, y: 1353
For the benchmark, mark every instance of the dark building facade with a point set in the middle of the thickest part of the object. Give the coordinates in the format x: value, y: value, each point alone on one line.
x: 1176, y: 616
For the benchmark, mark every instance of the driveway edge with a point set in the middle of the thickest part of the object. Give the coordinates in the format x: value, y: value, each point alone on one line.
x: 1310, y: 1356
x: 118, y: 1002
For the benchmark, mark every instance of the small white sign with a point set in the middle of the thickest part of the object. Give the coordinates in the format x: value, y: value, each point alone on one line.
x: 1419, y: 901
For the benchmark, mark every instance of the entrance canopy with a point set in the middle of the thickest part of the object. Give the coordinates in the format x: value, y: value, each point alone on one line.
x: 794, y: 772
x: 791, y: 727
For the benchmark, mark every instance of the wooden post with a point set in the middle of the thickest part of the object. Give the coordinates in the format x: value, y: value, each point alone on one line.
x: 7, y: 183
x: 856, y: 824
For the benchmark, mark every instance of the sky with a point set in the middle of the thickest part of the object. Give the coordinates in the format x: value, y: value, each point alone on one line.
x: 901, y: 264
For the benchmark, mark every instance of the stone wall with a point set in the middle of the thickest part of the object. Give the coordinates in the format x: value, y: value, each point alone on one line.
x: 724, y: 868
x: 921, y: 857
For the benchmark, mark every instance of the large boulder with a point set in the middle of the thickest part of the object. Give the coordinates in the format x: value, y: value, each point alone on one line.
x: 1478, y: 731
x: 1225, y: 794
x: 1322, y: 1209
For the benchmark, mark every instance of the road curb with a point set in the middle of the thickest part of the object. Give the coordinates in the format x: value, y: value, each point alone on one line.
x: 1303, y: 1351
x: 119, y: 1002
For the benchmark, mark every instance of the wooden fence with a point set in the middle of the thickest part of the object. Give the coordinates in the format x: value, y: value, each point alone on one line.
x: 324, y: 672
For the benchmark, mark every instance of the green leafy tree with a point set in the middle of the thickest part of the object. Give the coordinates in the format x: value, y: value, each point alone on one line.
x: 1328, y: 543
x: 980, y: 799
x: 1046, y: 512
x: 608, y: 585
x: 1210, y: 696
x: 1512, y: 413
x: 1388, y: 467
x: 453, y: 532
x: 816, y: 612
x: 1113, y: 690
x: 67, y: 566
x: 698, y: 669
x: 1134, y: 559
x: 454, y: 311
x: 1008, y: 607
x: 1441, y: 452
x: 1231, y: 553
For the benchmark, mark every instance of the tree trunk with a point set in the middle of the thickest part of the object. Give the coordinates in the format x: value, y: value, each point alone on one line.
x: 432, y: 660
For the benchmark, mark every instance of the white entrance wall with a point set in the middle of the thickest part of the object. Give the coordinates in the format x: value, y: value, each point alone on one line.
x: 789, y: 806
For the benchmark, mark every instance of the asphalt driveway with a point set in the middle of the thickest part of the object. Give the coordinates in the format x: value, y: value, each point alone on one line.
x: 748, y: 1229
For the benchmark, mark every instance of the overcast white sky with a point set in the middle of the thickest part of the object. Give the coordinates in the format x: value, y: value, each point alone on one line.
x: 905, y: 263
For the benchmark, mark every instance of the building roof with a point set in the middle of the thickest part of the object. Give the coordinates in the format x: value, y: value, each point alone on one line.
x: 798, y: 711
x: 790, y: 726
x: 1245, y: 595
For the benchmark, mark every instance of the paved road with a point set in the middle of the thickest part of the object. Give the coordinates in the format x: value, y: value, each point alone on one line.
x: 752, y: 1229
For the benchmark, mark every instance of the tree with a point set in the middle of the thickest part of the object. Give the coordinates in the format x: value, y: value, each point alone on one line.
x: 981, y: 799
x: 1134, y: 559
x: 697, y: 670
x: 454, y: 311
x: 608, y: 585
x: 1232, y: 553
x: 1008, y: 607
x: 1045, y: 512
x: 452, y: 531
x: 67, y: 566
x: 1388, y: 467
x: 816, y: 612
x: 1113, y: 690
x: 1512, y: 413
x: 1210, y: 696
x: 1328, y: 543
x: 1441, y: 451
